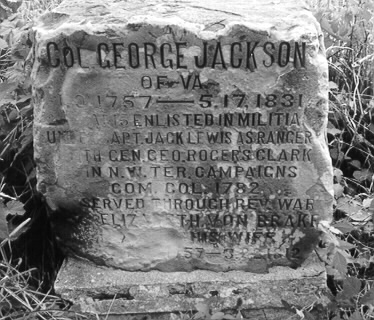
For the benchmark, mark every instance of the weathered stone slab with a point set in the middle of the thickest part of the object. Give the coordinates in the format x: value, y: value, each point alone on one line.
x: 182, y: 135
x: 102, y: 290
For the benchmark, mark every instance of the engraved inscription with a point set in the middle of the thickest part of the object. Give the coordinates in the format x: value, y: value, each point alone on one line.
x: 172, y: 146
x: 147, y: 55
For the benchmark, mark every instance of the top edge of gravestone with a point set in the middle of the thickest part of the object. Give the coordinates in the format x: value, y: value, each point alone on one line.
x: 268, y: 15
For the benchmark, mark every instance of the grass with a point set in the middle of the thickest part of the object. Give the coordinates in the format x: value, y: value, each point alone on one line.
x: 18, y: 298
x: 31, y: 9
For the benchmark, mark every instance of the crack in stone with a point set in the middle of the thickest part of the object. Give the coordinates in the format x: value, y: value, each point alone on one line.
x: 111, y: 296
x: 215, y: 10
x: 215, y: 26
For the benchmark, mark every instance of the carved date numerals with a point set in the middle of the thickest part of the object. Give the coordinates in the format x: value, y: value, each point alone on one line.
x: 190, y: 252
x: 239, y: 188
x: 124, y: 102
x: 204, y: 101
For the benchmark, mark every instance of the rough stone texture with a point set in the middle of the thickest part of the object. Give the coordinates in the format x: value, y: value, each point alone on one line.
x: 183, y: 135
x: 98, y: 289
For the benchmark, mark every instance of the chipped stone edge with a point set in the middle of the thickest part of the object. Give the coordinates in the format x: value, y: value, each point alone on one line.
x: 98, y: 289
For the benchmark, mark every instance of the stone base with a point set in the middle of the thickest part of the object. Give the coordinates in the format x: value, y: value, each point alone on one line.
x: 118, y: 294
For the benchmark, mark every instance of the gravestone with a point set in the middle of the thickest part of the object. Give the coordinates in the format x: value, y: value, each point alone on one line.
x: 177, y: 136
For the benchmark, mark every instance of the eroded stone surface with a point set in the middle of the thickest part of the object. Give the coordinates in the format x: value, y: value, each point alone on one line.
x: 180, y: 135
x: 99, y: 289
